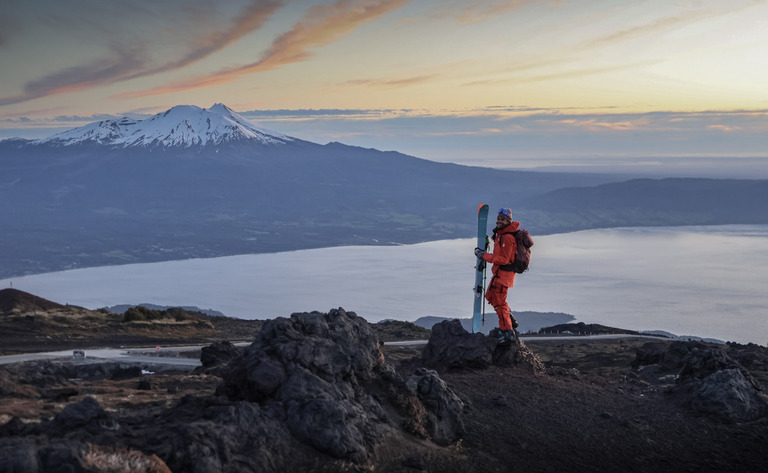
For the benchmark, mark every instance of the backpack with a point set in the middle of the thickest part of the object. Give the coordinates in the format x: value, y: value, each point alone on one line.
x: 523, y: 253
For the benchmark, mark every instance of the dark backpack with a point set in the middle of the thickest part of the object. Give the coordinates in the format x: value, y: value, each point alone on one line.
x: 523, y: 253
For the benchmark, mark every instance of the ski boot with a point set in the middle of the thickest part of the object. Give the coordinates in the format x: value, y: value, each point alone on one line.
x: 507, y: 337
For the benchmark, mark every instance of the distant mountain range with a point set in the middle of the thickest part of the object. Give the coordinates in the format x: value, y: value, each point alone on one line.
x: 193, y: 182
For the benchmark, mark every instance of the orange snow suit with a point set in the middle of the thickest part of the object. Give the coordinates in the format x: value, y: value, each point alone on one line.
x: 504, y: 248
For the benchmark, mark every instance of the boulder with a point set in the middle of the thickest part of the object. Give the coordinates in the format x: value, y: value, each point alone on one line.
x: 451, y: 347
x: 729, y: 395
x: 317, y: 372
x: 22, y: 455
x: 17, y: 455
x: 708, y: 380
x: 444, y: 408
x: 218, y: 354
x: 126, y: 372
x: 79, y: 414
x: 205, y: 435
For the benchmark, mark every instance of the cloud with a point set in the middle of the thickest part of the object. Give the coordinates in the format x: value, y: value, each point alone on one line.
x: 575, y: 73
x: 666, y: 23
x: 123, y: 61
x: 724, y: 128
x: 480, y: 11
x: 394, y: 82
x: 250, y: 19
x: 476, y: 11
x: 596, y: 125
x: 578, y: 51
x: 303, y: 114
x: 133, y: 59
x: 321, y: 25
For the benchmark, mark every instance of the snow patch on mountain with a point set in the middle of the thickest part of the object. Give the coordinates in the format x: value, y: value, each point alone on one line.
x: 103, y: 132
x: 180, y: 126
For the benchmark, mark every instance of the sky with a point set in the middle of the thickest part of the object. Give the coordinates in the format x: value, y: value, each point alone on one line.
x: 657, y: 85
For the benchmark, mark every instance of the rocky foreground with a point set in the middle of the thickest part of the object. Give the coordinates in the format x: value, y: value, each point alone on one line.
x: 319, y: 392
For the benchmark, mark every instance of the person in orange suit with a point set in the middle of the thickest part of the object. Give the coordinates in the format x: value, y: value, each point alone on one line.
x: 504, y: 248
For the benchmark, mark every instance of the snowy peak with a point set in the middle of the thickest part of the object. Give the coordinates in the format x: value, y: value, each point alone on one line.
x: 181, y: 126
x: 103, y: 132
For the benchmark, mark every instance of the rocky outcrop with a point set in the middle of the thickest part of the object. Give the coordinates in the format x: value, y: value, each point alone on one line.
x: 217, y: 355
x: 314, y: 369
x: 451, y: 347
x: 50, y: 446
x: 708, y: 380
x: 443, y: 408
x: 311, y: 388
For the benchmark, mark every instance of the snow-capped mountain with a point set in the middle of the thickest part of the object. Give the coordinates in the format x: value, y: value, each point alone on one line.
x: 180, y: 126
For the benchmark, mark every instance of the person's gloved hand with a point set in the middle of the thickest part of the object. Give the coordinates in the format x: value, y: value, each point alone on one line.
x: 479, y: 253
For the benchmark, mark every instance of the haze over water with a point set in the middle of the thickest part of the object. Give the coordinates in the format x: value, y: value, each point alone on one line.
x: 702, y: 281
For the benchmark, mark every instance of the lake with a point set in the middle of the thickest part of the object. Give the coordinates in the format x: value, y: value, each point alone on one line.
x: 701, y: 281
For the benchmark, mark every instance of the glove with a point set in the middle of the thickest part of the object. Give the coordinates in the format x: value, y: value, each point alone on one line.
x: 479, y: 253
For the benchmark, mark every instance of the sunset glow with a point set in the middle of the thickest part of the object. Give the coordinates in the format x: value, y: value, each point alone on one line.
x: 519, y: 76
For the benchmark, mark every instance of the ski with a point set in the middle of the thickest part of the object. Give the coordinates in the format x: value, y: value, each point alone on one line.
x: 482, y: 242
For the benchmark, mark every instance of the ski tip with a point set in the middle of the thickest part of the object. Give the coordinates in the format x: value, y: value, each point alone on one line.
x: 480, y: 207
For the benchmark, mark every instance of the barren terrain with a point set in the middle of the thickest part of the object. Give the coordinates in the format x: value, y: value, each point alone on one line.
x: 590, y: 410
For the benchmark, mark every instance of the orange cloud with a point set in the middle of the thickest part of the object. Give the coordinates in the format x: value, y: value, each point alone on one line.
x: 250, y: 19
x: 132, y: 62
x: 480, y: 11
x: 464, y: 11
x: 724, y: 128
x: 393, y: 83
x: 598, y: 125
x: 322, y: 25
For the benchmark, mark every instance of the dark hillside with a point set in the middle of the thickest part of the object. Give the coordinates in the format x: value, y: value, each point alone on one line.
x: 92, y: 205
x: 95, y: 205
x: 651, y: 202
x: 12, y: 300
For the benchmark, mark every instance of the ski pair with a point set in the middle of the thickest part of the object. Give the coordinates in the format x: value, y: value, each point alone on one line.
x: 478, y: 316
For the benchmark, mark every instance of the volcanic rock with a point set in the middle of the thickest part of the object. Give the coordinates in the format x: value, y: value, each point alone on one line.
x: 317, y: 371
x: 451, y: 347
x: 218, y: 353
x: 443, y: 407
x: 709, y: 381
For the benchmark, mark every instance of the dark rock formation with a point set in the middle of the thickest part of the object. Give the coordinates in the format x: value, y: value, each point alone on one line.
x: 22, y: 455
x: 451, y: 347
x: 218, y: 354
x: 126, y: 372
x: 708, y: 380
x: 443, y: 407
x: 730, y: 395
x: 318, y: 371
x: 311, y: 388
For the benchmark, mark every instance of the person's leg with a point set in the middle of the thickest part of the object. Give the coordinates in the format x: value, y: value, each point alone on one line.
x: 497, y: 297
